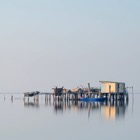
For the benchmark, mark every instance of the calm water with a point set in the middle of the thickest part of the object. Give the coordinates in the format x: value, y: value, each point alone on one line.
x: 68, y: 120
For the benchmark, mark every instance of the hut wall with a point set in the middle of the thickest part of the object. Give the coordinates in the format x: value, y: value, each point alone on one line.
x: 108, y: 87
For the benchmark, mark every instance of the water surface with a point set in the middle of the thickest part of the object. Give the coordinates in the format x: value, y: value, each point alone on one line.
x: 43, y: 120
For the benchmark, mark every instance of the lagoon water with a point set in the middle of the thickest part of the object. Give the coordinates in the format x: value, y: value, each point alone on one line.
x: 23, y: 120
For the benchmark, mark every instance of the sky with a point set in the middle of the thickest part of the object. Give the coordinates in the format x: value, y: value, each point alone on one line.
x: 47, y: 43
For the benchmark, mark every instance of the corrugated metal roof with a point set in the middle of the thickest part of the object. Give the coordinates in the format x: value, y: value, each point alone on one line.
x: 111, y: 82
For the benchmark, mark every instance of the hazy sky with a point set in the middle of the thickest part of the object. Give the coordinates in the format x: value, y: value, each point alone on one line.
x: 47, y: 43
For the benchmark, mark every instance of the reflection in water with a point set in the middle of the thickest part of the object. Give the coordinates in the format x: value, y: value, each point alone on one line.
x: 34, y: 103
x: 109, y: 110
x: 114, y: 111
x: 31, y: 104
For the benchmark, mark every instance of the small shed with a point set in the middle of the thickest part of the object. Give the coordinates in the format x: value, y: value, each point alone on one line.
x: 58, y: 91
x: 112, y: 87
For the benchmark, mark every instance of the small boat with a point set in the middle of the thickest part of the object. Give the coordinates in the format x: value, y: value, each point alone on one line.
x: 93, y: 99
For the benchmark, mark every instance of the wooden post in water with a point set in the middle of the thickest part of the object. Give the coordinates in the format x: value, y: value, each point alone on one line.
x: 123, y: 97
x: 12, y: 98
x: 45, y: 98
x: 99, y: 93
x: 89, y: 90
x: 50, y: 97
x: 68, y: 96
x: 28, y: 98
x: 109, y: 92
x: 106, y: 96
x: 116, y: 96
x: 36, y: 98
x: 113, y: 97
x: 64, y: 97
x: 76, y: 96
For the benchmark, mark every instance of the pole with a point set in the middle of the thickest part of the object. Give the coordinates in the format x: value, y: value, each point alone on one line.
x: 89, y: 89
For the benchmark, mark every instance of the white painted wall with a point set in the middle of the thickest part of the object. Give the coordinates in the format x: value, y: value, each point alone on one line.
x: 115, y: 87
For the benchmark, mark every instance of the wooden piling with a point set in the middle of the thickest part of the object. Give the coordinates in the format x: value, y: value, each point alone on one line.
x: 49, y: 97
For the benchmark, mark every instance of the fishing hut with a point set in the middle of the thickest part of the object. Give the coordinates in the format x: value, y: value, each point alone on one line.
x: 114, y: 90
x: 58, y: 93
x: 34, y: 94
x: 66, y: 94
